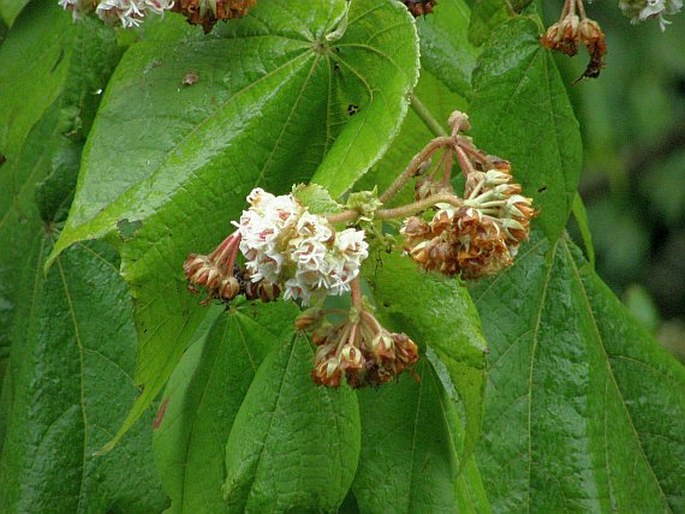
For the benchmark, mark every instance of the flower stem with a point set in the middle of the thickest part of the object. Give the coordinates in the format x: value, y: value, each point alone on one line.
x: 415, y: 164
x: 421, y: 205
x: 356, y: 294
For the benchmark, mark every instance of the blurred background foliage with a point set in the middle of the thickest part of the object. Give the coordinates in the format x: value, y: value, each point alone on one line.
x: 632, y: 121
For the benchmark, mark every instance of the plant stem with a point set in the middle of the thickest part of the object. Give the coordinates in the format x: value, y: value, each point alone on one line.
x: 415, y: 164
x: 403, y: 211
x: 421, y: 205
x: 464, y: 163
x: 342, y: 217
x: 422, y: 112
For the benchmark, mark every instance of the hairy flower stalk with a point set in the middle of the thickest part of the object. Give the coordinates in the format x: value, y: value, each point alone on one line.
x: 574, y: 28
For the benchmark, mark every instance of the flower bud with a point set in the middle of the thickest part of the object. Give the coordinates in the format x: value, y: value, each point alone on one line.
x: 459, y: 122
x: 229, y: 288
x: 351, y: 357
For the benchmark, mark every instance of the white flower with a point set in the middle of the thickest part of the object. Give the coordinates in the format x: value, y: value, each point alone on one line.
x: 286, y: 244
x: 77, y: 7
x: 130, y: 12
x: 641, y: 10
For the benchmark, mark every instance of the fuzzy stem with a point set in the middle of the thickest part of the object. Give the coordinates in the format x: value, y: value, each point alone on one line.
x: 422, y: 112
x: 447, y: 170
x: 373, y: 322
x: 421, y: 205
x: 464, y: 162
x: 356, y: 294
x: 415, y: 164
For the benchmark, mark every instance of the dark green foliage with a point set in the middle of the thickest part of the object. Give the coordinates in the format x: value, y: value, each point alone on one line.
x: 536, y: 391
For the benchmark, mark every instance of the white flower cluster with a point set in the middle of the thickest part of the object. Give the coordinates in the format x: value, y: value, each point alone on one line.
x: 285, y: 244
x: 130, y: 13
x: 641, y: 10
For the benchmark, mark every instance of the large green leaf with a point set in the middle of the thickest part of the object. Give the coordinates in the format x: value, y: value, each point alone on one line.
x: 35, y: 57
x: 294, y: 445
x: 58, y: 66
x: 10, y: 9
x: 445, y: 49
x: 411, y: 440
x: 585, y: 412
x: 414, y: 134
x: 520, y: 111
x: 271, y: 102
x: 203, y: 397
x: 71, y: 386
x: 486, y: 15
x: 437, y: 313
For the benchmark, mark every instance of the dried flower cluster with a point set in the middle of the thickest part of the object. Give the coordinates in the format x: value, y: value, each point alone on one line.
x: 481, y: 235
x: 573, y: 30
x: 130, y: 13
x: 208, y: 12
x: 222, y: 279
x: 641, y: 10
x: 358, y: 349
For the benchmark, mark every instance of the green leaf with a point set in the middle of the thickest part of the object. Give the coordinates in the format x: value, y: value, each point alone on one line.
x: 413, y: 136
x: 203, y: 397
x: 10, y: 9
x: 270, y: 86
x: 375, y: 65
x: 440, y: 315
x: 293, y: 446
x: 71, y: 387
x: 44, y: 39
x: 411, y: 440
x: 486, y: 15
x: 520, y: 111
x: 580, y: 215
x: 316, y: 198
x: 41, y: 137
x: 445, y: 49
x: 584, y: 409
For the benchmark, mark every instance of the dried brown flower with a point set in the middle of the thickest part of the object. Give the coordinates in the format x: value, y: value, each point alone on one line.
x: 208, y: 12
x: 358, y: 349
x: 420, y: 7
